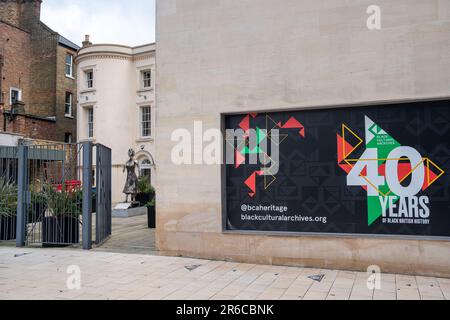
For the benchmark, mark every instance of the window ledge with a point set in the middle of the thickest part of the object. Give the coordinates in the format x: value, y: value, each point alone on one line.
x: 145, y: 139
x: 145, y: 90
x: 69, y: 116
x: 90, y: 90
x: 70, y: 77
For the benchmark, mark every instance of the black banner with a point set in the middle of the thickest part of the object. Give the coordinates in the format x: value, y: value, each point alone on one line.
x: 378, y: 170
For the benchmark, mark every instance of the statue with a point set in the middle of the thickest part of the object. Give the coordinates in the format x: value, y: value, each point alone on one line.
x: 131, y: 184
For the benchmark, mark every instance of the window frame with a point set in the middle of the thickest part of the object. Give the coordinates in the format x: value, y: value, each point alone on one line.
x: 89, y: 83
x: 144, y: 79
x: 147, y: 121
x: 19, y: 95
x: 68, y: 105
x: 69, y: 65
x: 146, y: 167
x: 90, y: 122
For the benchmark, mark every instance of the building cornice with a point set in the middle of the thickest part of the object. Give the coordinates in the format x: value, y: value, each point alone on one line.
x: 102, y: 55
x: 110, y: 51
x: 111, y: 55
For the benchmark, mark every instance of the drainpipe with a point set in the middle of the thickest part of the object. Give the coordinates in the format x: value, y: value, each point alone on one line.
x: 1, y: 79
x: 1, y: 91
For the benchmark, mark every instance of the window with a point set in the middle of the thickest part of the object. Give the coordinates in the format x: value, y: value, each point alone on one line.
x: 89, y: 79
x: 68, y: 137
x: 147, y: 79
x: 15, y: 95
x: 90, y: 123
x: 146, y: 122
x: 146, y: 169
x: 69, y: 65
x: 68, y: 104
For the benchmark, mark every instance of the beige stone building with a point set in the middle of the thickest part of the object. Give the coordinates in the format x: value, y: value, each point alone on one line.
x: 219, y: 57
x: 117, y: 104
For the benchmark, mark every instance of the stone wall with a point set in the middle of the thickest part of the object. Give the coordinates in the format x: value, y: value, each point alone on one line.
x: 219, y: 56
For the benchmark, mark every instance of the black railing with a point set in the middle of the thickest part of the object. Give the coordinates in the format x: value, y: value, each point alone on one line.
x: 52, y: 194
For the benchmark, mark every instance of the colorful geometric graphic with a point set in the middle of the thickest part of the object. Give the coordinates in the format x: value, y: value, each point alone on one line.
x: 373, y: 170
x: 263, y: 137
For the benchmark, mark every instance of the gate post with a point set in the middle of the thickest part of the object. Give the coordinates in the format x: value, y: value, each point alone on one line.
x: 22, y: 194
x: 87, y: 195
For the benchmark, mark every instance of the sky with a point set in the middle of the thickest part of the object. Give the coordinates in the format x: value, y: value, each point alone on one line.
x: 126, y: 22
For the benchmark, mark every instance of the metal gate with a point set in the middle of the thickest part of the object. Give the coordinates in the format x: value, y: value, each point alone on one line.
x: 51, y: 197
x: 103, y: 217
x: 58, y: 196
x: 8, y: 193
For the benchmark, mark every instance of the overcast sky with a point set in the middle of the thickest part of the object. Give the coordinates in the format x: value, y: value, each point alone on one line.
x: 127, y: 22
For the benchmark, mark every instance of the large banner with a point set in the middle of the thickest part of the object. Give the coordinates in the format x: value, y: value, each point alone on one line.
x: 378, y: 170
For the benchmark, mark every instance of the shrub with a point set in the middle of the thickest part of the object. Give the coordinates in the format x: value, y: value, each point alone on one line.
x: 62, y: 203
x: 144, y: 186
x: 8, y: 198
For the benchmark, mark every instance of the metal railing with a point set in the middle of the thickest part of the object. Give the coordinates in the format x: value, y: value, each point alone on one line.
x: 53, y: 196
x: 8, y: 193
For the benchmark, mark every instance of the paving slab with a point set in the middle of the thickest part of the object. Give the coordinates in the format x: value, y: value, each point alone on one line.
x: 43, y: 274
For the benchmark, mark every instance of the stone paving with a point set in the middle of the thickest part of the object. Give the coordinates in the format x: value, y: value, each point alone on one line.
x: 130, y: 235
x: 42, y: 274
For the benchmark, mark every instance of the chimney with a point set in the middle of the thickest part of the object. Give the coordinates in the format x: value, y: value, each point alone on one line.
x: 30, y: 13
x: 10, y: 11
x: 86, y: 42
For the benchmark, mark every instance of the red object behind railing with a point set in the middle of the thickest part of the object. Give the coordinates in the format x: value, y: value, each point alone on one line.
x: 71, y: 185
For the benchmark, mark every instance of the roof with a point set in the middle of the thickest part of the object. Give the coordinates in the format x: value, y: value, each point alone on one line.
x: 67, y: 43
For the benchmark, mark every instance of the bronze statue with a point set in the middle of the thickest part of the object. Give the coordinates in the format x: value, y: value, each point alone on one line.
x: 131, y: 184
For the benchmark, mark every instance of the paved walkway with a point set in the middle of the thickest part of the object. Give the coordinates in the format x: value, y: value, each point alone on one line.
x: 130, y: 235
x: 42, y: 274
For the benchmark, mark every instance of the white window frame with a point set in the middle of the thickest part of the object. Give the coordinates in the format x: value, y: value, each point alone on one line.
x: 88, y: 81
x: 146, y: 166
x: 19, y: 95
x: 69, y: 105
x: 143, y: 79
x: 90, y: 123
x: 141, y: 121
x: 70, y: 65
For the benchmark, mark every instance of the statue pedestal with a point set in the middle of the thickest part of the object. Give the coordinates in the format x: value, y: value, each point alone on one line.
x: 127, y: 210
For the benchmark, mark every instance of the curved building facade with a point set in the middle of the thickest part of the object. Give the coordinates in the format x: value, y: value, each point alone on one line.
x: 116, y: 104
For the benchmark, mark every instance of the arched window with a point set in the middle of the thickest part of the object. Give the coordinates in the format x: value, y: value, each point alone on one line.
x: 146, y: 169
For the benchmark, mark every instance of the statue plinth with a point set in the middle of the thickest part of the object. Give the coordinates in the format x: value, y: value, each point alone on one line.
x: 128, y: 209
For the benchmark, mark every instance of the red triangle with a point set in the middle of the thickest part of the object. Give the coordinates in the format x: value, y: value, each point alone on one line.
x: 239, y: 159
x: 245, y: 123
x: 302, y: 132
x: 292, y: 124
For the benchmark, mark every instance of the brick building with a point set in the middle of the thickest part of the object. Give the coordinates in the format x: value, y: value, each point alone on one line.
x: 37, y: 75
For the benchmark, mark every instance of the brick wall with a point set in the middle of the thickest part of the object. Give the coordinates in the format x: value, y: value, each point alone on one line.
x: 43, y: 71
x: 35, y: 61
x: 10, y: 12
x: 15, y: 46
x: 30, y: 13
x: 65, y: 84
x: 29, y: 126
